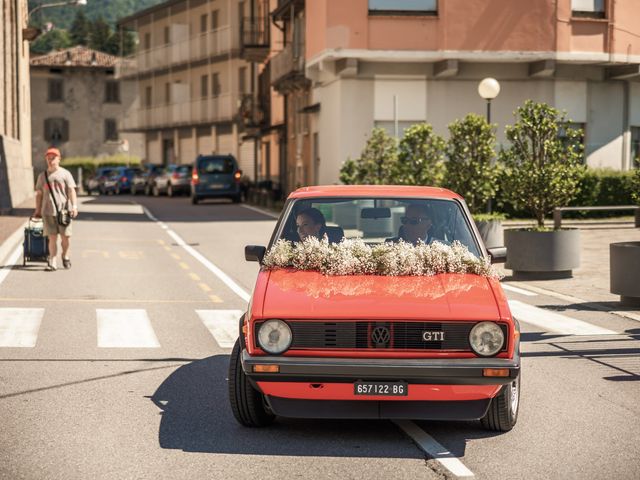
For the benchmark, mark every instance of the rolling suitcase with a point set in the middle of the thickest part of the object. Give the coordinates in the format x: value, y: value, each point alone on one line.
x: 36, y: 245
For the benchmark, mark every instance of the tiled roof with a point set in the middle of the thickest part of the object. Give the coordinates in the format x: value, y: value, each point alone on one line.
x: 78, y: 56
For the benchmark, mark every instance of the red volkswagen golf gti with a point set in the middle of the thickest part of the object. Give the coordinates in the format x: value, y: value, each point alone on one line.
x: 376, y: 302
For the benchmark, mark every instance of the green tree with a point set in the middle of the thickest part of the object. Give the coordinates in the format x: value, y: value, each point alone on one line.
x: 376, y: 161
x: 53, y: 40
x: 543, y: 170
x: 100, y: 35
x: 470, y: 170
x: 420, y: 157
x: 79, y: 30
x: 635, y: 192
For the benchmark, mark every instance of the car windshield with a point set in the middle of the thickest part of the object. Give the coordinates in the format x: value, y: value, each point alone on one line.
x: 210, y: 165
x: 376, y: 220
x: 183, y: 169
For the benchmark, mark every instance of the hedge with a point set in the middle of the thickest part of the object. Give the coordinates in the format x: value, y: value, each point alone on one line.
x: 90, y: 164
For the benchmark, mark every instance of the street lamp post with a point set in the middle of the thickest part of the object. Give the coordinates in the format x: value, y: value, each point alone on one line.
x: 489, y: 88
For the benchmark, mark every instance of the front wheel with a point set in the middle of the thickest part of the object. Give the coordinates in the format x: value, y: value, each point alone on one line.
x: 194, y: 199
x: 503, y: 410
x: 248, y: 405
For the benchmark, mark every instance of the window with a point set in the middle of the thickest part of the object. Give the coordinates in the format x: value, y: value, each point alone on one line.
x: 148, y: 99
x: 215, y: 84
x: 203, y: 23
x: 167, y: 93
x: 214, y: 20
x: 403, y: 7
x: 167, y: 35
x: 147, y: 41
x: 56, y: 90
x: 242, y: 80
x: 588, y: 8
x: 204, y: 86
x: 635, y: 147
x: 110, y: 130
x: 56, y: 130
x: 112, y: 92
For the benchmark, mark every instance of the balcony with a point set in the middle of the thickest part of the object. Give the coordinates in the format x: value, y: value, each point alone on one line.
x: 254, y: 33
x: 198, y: 47
x: 287, y: 68
x: 208, y: 110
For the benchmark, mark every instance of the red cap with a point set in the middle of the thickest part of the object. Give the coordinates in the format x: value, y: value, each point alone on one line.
x: 53, y: 151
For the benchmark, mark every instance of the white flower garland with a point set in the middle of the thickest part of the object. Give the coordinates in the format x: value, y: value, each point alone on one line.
x: 355, y: 257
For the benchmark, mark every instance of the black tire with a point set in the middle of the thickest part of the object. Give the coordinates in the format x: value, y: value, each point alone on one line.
x: 194, y: 199
x: 236, y: 198
x: 503, y: 410
x: 248, y: 404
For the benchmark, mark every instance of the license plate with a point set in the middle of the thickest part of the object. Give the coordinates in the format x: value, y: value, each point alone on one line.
x: 384, y: 389
x: 217, y: 185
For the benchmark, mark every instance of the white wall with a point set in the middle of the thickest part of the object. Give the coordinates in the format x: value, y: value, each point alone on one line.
x: 604, y: 126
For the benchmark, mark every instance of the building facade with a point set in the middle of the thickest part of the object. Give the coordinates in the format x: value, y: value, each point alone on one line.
x: 77, y: 104
x: 391, y: 63
x: 192, y: 81
x: 16, y: 172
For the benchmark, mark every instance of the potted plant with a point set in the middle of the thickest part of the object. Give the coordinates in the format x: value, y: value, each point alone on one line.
x: 472, y: 173
x: 624, y: 261
x: 543, y: 170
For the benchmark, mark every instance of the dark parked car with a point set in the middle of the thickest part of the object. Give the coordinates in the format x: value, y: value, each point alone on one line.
x: 215, y: 176
x: 120, y: 180
x: 173, y: 180
x: 95, y: 183
x: 143, y: 180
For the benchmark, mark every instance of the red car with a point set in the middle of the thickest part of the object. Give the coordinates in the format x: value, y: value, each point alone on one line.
x: 429, y: 346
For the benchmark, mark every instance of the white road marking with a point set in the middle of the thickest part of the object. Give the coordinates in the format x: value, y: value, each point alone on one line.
x: 223, y: 325
x: 237, y: 289
x: 521, y: 291
x: 125, y: 328
x: 436, y: 451
x: 19, y: 326
x: 554, y: 322
x: 11, y: 261
x: 260, y: 210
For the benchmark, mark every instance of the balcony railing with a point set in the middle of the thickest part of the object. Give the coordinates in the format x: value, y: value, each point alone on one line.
x: 290, y: 61
x: 207, y: 110
x: 255, y: 39
x: 201, y: 46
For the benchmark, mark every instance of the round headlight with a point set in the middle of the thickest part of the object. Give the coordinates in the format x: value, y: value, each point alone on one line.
x: 274, y: 336
x: 486, y: 339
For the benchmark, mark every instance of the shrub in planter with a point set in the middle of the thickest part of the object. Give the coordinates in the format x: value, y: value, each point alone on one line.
x: 420, y: 157
x: 543, y: 171
x: 375, y: 163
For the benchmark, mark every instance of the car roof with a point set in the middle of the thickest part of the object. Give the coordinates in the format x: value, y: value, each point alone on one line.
x: 382, y: 191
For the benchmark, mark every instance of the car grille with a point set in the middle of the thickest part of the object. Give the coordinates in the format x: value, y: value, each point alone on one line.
x: 359, y: 335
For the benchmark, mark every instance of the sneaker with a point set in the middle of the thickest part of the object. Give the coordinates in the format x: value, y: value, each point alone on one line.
x: 66, y: 263
x: 51, y: 265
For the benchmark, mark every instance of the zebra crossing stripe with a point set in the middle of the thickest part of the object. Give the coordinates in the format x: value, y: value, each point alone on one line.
x: 125, y: 328
x: 19, y: 326
x: 223, y: 325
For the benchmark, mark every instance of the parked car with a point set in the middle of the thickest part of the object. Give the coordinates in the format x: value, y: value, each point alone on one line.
x: 95, y: 183
x: 433, y: 347
x: 142, y: 181
x: 215, y: 176
x: 120, y: 180
x: 173, y: 180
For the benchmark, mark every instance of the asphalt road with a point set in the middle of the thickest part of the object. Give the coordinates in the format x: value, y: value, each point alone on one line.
x: 81, y: 404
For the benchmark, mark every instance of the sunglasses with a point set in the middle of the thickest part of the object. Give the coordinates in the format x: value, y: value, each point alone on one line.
x: 413, y: 220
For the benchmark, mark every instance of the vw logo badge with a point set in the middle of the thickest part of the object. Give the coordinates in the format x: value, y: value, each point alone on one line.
x: 380, y: 336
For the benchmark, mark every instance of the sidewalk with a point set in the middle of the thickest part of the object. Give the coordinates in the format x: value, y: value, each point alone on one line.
x: 589, y: 287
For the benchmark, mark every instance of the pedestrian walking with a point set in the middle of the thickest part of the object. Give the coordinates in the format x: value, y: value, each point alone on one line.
x: 56, y: 203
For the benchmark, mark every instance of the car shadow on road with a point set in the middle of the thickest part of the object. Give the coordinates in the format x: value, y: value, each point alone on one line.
x: 196, y: 417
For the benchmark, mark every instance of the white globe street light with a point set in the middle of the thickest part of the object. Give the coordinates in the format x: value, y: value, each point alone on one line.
x: 489, y: 88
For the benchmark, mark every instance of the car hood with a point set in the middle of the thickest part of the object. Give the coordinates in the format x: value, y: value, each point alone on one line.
x: 304, y: 294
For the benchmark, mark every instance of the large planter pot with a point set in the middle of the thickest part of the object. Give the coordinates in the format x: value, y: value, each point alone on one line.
x: 542, y: 255
x: 491, y: 232
x: 624, y: 263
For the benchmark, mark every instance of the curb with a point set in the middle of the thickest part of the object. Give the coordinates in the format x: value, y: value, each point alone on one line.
x: 12, y: 242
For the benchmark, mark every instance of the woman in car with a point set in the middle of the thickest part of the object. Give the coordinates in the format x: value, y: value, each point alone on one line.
x: 310, y: 222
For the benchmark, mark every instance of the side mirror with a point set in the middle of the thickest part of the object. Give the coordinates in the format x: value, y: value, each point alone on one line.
x: 498, y: 254
x: 254, y: 253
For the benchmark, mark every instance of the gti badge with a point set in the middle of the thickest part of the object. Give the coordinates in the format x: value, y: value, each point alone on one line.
x: 433, y: 336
